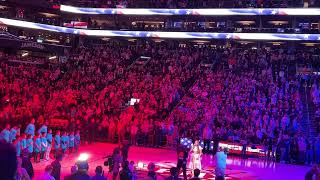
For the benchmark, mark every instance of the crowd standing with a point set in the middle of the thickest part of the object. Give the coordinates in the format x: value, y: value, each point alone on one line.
x: 250, y: 98
x: 254, y: 100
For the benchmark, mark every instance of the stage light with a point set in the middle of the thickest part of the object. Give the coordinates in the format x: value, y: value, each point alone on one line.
x: 52, y: 57
x: 140, y: 165
x: 145, y: 57
x: 25, y: 54
x: 52, y: 40
x: 83, y: 157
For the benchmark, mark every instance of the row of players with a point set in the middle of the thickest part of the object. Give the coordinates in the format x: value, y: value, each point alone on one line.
x: 39, y: 144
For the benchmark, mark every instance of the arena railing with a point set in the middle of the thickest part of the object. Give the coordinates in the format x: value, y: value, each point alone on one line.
x: 156, y: 34
x: 195, y: 12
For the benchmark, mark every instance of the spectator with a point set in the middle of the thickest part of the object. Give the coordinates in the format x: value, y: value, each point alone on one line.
x: 82, y: 172
x: 196, y: 174
x: 56, y: 171
x: 125, y: 173
x: 133, y: 133
x: 133, y: 170
x: 309, y: 151
x: 46, y: 175
x: 22, y: 172
x: 5, y: 134
x: 99, y: 174
x: 30, y: 129
x: 313, y: 173
x: 317, y: 149
x: 174, y: 175
x: 74, y: 169
x: 26, y: 163
x: 207, y: 136
x: 302, y: 149
x: 151, y: 171
x: 43, y: 128
x: 8, y: 159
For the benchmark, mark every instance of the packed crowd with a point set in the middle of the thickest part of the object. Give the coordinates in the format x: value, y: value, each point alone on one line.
x: 246, y: 88
x: 115, y: 92
x: 28, y: 91
x: 315, y: 98
x: 92, y: 90
x: 251, y: 102
x: 190, y: 3
x: 157, y: 85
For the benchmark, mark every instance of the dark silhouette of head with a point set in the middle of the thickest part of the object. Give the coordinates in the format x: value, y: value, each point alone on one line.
x: 59, y: 157
x: 174, y: 172
x: 196, y: 172
x: 99, y: 170
x: 116, y: 151
x: 8, y: 159
x: 125, y: 165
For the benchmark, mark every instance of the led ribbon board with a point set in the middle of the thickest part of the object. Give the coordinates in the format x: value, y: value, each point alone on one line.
x: 197, y: 12
x: 156, y: 34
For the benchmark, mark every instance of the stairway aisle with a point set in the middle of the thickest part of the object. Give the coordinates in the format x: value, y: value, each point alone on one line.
x: 307, y: 122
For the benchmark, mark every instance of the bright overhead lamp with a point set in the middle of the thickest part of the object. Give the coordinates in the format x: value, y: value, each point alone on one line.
x: 53, y: 57
x: 25, y: 54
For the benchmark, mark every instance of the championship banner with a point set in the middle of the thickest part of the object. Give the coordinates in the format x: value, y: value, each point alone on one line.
x: 156, y: 34
x: 196, y: 12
